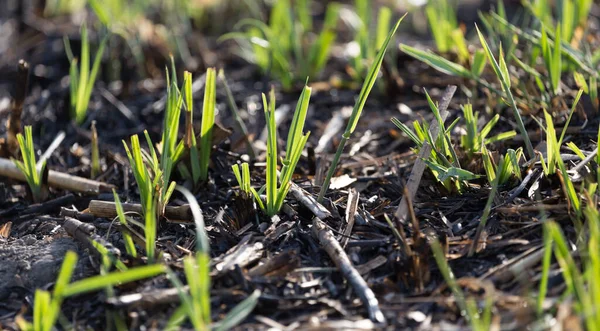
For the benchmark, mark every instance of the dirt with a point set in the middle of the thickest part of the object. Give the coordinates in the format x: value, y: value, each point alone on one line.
x: 302, y: 287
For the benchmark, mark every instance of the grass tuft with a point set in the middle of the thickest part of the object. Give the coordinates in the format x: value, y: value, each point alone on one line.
x: 82, y: 79
x: 32, y: 171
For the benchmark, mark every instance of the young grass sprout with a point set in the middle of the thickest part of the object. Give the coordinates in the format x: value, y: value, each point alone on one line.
x: 368, y: 43
x: 279, y: 48
x: 275, y: 194
x: 468, y: 306
x: 146, y: 187
x: 32, y: 171
x: 82, y: 79
x: 46, y: 309
x: 443, y: 162
x: 358, y: 108
x: 474, y: 140
x: 195, y: 305
x: 444, y: 27
x: 294, y: 147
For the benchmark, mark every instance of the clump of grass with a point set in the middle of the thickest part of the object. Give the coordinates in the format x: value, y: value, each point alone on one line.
x: 296, y: 140
x: 148, y: 196
x: 555, y: 163
x: 475, y: 139
x: 443, y: 162
x: 358, y: 108
x: 32, y: 170
x: 573, y: 14
x: 195, y: 305
x: 581, y: 282
x: 82, y: 79
x: 243, y: 179
x: 552, y: 143
x: 199, y: 154
x: 153, y: 173
x: 368, y: 41
x: 501, y: 71
x: 506, y: 169
x: 288, y: 48
x: 447, y: 34
x: 46, y: 309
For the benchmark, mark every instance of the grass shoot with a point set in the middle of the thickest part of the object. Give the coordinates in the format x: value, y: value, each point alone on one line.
x: 146, y: 187
x: 46, y: 309
x: 294, y: 147
x: 475, y: 139
x: 358, y: 108
x: 479, y: 321
x: 82, y: 78
x: 32, y: 170
x: 195, y: 303
x: 279, y: 48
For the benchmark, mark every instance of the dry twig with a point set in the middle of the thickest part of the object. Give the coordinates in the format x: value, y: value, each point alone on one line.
x: 58, y: 179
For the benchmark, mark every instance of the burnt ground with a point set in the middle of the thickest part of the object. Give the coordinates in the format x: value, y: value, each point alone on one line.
x: 303, y: 289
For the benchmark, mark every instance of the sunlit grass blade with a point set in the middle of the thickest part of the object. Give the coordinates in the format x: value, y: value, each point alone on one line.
x: 208, y: 121
x: 477, y: 321
x: 505, y: 81
x: 271, y: 174
x: 190, y: 135
x: 357, y: 110
x: 96, y: 283
x: 239, y: 313
x: 438, y: 62
x: 82, y: 79
x: 129, y: 245
x: 32, y: 172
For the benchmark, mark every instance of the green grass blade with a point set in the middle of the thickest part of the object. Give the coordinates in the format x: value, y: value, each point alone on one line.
x: 84, y: 71
x: 91, y: 81
x: 208, y: 121
x: 96, y: 283
x: 573, y: 107
x: 271, y: 174
x: 239, y: 313
x: 129, y: 245
x: 506, y: 88
x: 358, y: 107
x: 546, y: 262
x: 437, y: 62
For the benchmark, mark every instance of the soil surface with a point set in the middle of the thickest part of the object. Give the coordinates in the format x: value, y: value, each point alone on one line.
x: 301, y: 287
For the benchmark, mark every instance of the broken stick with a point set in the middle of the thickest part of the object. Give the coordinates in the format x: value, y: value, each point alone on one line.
x: 335, y: 251
x: 57, y: 179
x: 108, y: 209
x: 337, y: 254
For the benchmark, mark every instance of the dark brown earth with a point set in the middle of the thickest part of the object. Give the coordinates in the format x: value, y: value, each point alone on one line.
x: 304, y: 290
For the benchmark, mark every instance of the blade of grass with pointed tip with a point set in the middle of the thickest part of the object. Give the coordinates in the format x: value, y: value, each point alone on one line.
x: 129, y: 245
x: 208, y: 121
x: 437, y: 62
x: 358, y: 107
x: 506, y: 88
x: 271, y: 174
x: 96, y: 283
x: 239, y: 313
